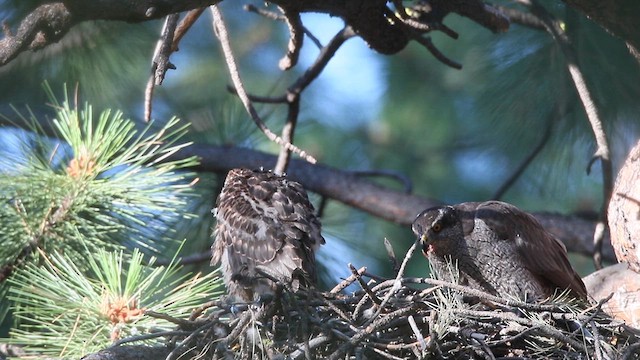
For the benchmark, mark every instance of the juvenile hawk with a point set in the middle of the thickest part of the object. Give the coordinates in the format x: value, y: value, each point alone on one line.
x: 265, y: 224
x: 497, y: 248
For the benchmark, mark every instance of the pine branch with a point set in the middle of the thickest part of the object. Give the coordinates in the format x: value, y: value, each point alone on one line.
x: 100, y: 306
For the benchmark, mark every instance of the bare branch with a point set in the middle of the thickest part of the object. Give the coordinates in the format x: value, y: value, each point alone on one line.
x: 288, y: 131
x: 522, y: 18
x: 160, y: 64
x: 427, y: 43
x: 274, y: 16
x: 184, y: 26
x: 407, y: 185
x: 320, y: 63
x: 221, y: 32
x: 296, y: 39
x: 165, y: 47
x: 45, y: 25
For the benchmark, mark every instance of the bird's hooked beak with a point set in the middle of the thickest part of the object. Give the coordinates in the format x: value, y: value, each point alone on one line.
x: 426, y: 244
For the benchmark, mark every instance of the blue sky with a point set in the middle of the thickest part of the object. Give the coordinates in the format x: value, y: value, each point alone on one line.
x: 353, y: 77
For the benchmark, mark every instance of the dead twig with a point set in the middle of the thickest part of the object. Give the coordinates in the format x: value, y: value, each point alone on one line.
x: 221, y: 31
x: 160, y: 64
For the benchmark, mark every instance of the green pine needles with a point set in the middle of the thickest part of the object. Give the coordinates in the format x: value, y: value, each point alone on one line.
x: 101, y: 184
x: 67, y: 314
x: 82, y: 204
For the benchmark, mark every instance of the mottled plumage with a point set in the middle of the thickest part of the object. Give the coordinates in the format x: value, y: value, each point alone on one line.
x: 265, y: 223
x: 497, y: 248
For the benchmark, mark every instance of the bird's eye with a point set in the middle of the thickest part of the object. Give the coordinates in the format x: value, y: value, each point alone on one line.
x: 437, y: 227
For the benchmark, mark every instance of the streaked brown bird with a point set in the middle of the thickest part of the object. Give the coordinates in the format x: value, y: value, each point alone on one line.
x: 265, y: 225
x: 497, y: 248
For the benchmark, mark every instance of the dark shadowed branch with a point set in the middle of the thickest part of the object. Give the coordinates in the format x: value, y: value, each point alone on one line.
x: 49, y: 22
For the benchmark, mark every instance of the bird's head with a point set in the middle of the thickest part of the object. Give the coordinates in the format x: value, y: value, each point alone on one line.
x: 439, y: 230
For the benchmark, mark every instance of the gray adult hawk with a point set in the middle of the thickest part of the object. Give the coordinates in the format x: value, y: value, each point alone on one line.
x: 265, y: 225
x: 497, y: 248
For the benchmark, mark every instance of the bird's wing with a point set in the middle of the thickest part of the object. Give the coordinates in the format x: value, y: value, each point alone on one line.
x: 541, y: 253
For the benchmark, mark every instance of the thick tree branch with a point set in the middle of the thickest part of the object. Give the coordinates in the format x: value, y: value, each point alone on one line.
x: 45, y: 25
x: 48, y: 23
x: 385, y: 203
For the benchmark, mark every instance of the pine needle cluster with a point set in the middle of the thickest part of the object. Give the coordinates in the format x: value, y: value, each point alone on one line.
x: 89, y: 199
x: 67, y: 314
x: 100, y: 184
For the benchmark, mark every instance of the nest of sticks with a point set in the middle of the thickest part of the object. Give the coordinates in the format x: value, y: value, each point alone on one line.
x: 403, y: 318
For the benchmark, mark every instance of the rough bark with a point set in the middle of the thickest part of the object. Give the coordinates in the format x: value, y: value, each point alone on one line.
x: 624, y: 286
x: 624, y: 212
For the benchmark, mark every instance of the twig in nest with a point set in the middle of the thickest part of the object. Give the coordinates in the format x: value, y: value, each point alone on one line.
x: 398, y: 280
x: 195, y: 313
x: 221, y: 31
x: 416, y: 331
x: 368, y: 330
x: 507, y: 316
x: 631, y: 350
x: 150, y: 336
x: 364, y: 285
x: 174, y: 353
x: 313, y: 343
x: 348, y: 281
x: 596, y: 340
x: 180, y: 322
x: 486, y: 296
x: 391, y: 255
